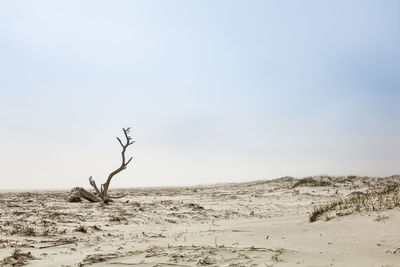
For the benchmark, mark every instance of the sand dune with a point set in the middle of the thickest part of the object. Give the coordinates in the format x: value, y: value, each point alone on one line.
x: 260, y: 223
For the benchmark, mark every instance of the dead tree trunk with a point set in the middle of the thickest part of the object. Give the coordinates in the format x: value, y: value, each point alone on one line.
x: 102, y: 195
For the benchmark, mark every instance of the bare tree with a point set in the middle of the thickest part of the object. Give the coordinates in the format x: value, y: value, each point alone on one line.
x: 102, y: 195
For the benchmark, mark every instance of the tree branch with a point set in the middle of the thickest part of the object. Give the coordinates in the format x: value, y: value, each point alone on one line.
x: 93, y: 183
x: 119, y: 140
x: 101, y: 195
x: 129, y: 142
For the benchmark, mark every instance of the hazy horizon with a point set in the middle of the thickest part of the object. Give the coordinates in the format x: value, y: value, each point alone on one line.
x: 215, y: 91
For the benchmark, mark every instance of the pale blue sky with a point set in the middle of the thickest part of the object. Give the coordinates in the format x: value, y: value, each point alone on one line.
x: 215, y: 90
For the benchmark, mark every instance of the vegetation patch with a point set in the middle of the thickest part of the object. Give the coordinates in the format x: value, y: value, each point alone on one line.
x: 24, y: 230
x: 309, y: 181
x: 17, y: 258
x: 81, y: 228
x: 377, y: 200
x: 29, y: 228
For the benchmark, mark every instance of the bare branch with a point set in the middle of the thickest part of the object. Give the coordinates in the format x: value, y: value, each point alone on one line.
x: 129, y: 142
x: 119, y: 140
x: 79, y: 193
x: 93, y: 183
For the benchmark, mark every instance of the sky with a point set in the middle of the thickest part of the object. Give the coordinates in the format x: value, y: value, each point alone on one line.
x: 215, y: 91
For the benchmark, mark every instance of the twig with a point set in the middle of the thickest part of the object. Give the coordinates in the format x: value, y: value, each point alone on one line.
x: 117, y: 196
x: 60, y: 244
x: 394, y: 251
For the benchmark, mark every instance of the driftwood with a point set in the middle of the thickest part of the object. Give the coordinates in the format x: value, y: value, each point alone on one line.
x: 78, y: 193
x: 62, y: 243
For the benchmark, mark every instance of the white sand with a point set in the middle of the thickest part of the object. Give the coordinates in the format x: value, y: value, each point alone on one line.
x: 263, y: 223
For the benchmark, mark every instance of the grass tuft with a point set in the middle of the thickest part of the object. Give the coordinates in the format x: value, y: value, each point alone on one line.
x: 81, y: 228
x: 17, y: 258
x: 379, y: 200
x: 309, y: 181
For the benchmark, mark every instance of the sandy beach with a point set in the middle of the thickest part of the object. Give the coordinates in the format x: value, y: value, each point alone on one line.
x: 260, y: 223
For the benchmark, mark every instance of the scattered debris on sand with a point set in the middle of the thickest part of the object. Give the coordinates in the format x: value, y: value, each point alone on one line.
x: 259, y: 223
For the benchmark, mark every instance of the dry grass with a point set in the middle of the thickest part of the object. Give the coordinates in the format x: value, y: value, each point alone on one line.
x: 24, y: 230
x: 309, y: 181
x: 17, y: 258
x: 81, y: 228
x: 28, y: 228
x: 376, y: 200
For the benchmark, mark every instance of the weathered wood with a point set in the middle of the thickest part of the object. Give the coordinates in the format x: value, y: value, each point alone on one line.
x: 59, y: 244
x: 93, y: 183
x: 102, y: 195
x: 123, y: 164
x: 79, y: 192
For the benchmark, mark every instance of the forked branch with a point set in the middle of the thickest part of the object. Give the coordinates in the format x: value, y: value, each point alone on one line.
x: 93, y: 183
x: 124, y: 163
x: 102, y: 194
